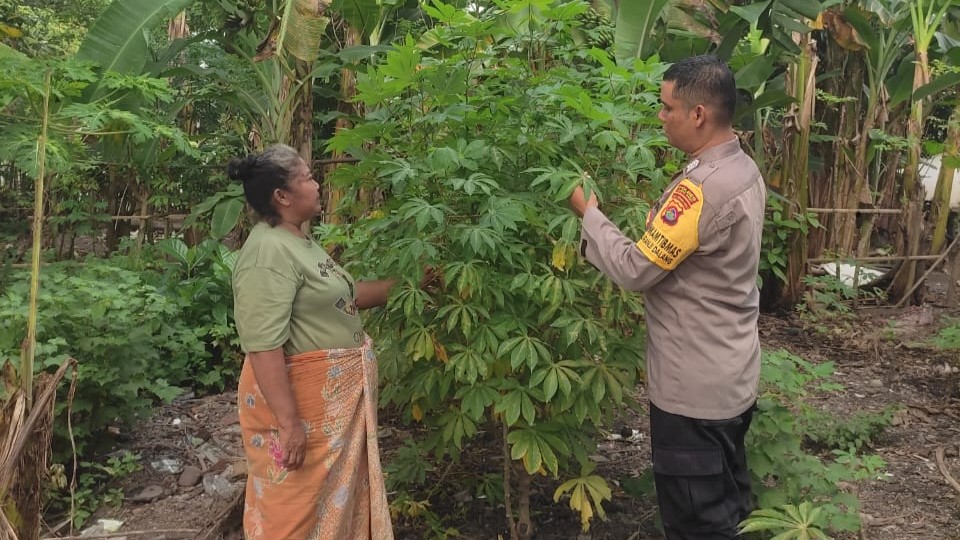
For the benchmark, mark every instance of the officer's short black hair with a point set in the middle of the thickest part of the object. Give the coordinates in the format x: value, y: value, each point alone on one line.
x: 704, y: 80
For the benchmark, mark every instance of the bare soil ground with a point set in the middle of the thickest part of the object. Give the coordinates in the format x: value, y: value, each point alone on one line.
x: 883, y: 357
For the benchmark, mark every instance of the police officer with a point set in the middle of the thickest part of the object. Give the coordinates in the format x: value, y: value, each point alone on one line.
x: 696, y: 264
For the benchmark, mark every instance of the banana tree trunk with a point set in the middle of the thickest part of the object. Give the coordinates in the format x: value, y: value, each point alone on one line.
x: 888, y: 194
x: 348, y: 89
x: 859, y: 192
x: 872, y: 194
x: 301, y: 125
x: 905, y: 277
x: 842, y: 171
x: 801, y: 82
x: 944, y: 191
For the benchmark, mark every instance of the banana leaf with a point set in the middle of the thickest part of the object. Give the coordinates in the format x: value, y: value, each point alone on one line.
x: 635, y: 23
x: 117, y: 40
x: 302, y: 28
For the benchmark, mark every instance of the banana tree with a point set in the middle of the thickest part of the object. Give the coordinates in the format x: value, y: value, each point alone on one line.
x: 801, y: 82
x: 117, y: 43
x: 925, y: 18
x: 883, y: 34
x: 285, y: 66
x: 950, y: 163
x: 365, y: 20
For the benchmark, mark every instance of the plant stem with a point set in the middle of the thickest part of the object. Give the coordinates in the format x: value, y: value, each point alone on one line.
x: 507, y: 496
x: 28, y: 348
x: 525, y: 525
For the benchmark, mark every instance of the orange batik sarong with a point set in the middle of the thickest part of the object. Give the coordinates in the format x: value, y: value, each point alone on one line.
x: 338, y: 493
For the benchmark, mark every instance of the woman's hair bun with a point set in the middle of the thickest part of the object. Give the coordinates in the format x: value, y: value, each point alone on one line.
x: 239, y: 168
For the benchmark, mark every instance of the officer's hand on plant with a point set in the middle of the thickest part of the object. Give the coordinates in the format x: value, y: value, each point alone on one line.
x: 580, y: 203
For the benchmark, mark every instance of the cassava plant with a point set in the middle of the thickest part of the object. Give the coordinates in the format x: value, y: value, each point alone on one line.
x: 477, y: 142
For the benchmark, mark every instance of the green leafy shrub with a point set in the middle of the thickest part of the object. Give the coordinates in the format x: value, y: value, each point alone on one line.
x: 199, y: 279
x: 123, y: 331
x: 948, y: 338
x: 790, y: 522
x: 785, y: 472
x: 96, y: 486
x: 524, y: 339
x: 777, y: 228
x: 828, y: 297
x: 788, y: 473
x: 853, y: 432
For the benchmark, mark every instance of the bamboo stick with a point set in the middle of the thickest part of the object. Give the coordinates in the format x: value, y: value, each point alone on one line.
x: 855, y: 210
x: 876, y: 258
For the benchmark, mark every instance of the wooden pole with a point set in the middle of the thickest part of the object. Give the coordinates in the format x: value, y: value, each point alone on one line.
x: 954, y: 278
x: 928, y: 272
x: 906, y: 277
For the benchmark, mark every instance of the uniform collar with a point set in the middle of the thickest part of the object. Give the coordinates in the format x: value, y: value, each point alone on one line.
x: 719, y: 151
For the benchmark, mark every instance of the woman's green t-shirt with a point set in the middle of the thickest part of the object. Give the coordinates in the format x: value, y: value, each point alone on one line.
x: 288, y: 292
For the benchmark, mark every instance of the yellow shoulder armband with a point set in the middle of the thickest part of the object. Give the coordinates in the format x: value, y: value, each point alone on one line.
x: 672, y: 235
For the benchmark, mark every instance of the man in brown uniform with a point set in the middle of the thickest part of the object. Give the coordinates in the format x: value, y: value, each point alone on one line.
x: 697, y: 266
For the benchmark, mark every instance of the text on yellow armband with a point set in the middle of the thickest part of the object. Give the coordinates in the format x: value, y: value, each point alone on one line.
x: 673, y: 234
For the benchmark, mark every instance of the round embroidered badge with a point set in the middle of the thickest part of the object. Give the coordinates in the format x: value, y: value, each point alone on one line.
x: 671, y: 215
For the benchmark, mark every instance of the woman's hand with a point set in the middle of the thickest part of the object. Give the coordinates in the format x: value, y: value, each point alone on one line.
x: 270, y: 371
x: 293, y: 441
x: 432, y: 276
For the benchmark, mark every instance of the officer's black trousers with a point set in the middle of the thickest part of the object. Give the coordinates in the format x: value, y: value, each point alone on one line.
x: 700, y: 470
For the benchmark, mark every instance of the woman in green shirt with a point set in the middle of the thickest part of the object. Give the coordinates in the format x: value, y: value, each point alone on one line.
x: 307, y: 393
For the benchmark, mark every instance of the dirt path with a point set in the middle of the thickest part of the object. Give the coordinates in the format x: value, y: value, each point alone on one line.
x: 882, y: 359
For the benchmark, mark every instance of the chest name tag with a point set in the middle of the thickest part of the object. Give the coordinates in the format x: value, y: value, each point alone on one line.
x: 672, y: 235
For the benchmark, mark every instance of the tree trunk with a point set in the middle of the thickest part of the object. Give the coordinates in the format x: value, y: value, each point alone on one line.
x: 801, y: 83
x: 348, y: 89
x: 888, y: 192
x: 178, y: 27
x: 113, y: 205
x: 524, y: 523
x: 26, y: 433
x: 842, y: 171
x: 507, y: 487
x: 954, y: 278
x: 912, y: 195
x: 144, y: 212
x: 940, y: 214
x: 301, y: 126
x: 859, y: 192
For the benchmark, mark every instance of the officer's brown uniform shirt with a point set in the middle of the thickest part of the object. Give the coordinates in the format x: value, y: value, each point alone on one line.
x: 697, y: 265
